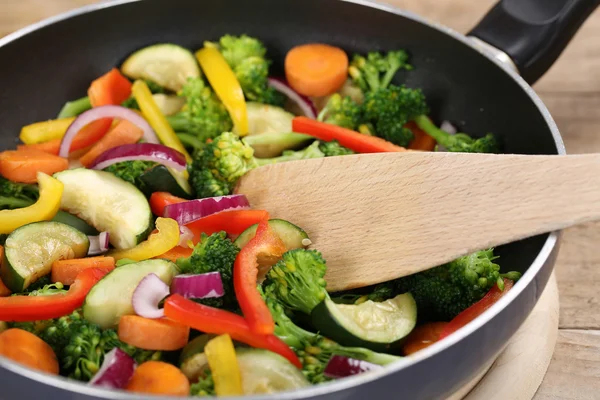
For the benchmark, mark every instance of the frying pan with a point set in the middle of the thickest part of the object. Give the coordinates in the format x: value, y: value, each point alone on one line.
x: 472, y: 81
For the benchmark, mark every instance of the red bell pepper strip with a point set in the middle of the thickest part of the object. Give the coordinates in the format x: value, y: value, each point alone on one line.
x: 159, y: 200
x: 213, y: 320
x: 476, y: 309
x: 111, y: 88
x: 423, y: 336
x: 356, y: 141
x: 35, y: 308
x: 233, y: 222
x: 245, y: 277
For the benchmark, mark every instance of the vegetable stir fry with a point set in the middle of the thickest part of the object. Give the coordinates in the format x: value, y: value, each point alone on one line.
x: 129, y: 263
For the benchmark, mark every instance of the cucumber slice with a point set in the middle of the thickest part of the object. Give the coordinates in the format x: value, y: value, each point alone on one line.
x: 108, y: 204
x: 166, y: 64
x: 75, y: 222
x: 376, y: 326
x: 160, y: 179
x: 167, y: 104
x: 265, y: 118
x: 110, y: 298
x: 30, y: 251
x: 293, y: 236
x: 268, y: 145
x: 195, y: 346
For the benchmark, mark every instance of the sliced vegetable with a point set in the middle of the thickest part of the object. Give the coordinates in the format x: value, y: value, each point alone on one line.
x: 423, y: 336
x: 104, y: 308
x: 157, y: 377
x: 304, y: 103
x: 341, y: 367
x: 147, y: 295
x: 164, y: 240
x: 245, y: 277
x: 41, y: 132
x: 268, y: 145
x: 198, y: 286
x: 30, y: 251
x: 28, y: 349
x: 36, y: 308
x: 226, y: 86
x: 75, y: 107
x: 110, y: 89
x: 422, y: 141
x: 476, y: 309
x: 186, y: 236
x: 159, y: 200
x: 99, y: 244
x: 116, y: 370
x: 66, y: 271
x: 190, y: 211
x: 24, y: 165
x: 160, y: 179
x: 222, y: 360
x: 358, y: 142
x: 143, y: 152
x: 104, y: 113
x: 156, y: 119
x: 379, y: 326
x: 166, y: 64
x: 108, y: 203
x: 266, y: 118
x: 216, y: 321
x: 168, y: 105
x: 176, y: 253
x: 316, y: 69
x: 124, y: 133
x: 44, y: 209
x: 232, y: 222
x: 153, y: 334
x: 75, y: 222
x: 293, y: 236
x: 4, y: 291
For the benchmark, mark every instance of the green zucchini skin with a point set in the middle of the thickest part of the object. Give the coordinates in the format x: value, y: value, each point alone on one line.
x: 159, y: 179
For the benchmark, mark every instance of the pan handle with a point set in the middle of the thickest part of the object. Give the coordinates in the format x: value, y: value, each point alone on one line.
x: 533, y: 33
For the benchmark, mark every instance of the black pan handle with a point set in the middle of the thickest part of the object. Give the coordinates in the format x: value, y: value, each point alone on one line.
x: 533, y: 32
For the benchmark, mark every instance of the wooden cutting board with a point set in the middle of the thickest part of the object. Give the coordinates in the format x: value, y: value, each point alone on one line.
x: 519, y: 370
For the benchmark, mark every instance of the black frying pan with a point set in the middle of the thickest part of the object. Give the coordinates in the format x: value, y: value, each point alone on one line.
x: 54, y: 61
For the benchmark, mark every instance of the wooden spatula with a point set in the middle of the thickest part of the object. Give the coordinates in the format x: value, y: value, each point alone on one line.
x: 377, y: 217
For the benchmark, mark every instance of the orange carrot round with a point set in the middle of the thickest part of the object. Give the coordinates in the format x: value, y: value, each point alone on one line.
x: 65, y: 271
x: 423, y: 336
x: 422, y: 141
x: 156, y: 377
x: 23, y: 165
x: 28, y: 349
x: 153, y: 334
x: 123, y: 133
x: 316, y: 69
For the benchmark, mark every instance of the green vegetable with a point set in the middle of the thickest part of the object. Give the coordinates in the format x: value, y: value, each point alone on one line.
x: 131, y: 171
x: 291, y: 235
x: 75, y: 222
x: 191, y: 142
x: 54, y: 288
x: 75, y: 107
x: 376, y: 70
x: 334, y: 148
x: 266, y: 118
x: 266, y: 145
x: 214, y: 253
x: 342, y: 111
x: 311, y: 151
x: 160, y: 179
x: 205, y: 386
x: 16, y: 195
x: 155, y: 88
x: 460, y: 142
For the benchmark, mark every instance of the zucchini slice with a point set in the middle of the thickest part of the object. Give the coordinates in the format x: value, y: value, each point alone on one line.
x: 168, y: 104
x: 160, y: 179
x: 166, y: 64
x: 108, y: 204
x: 110, y: 298
x: 265, y: 118
x: 293, y: 236
x: 268, y: 145
x: 376, y: 326
x: 30, y: 250
x: 75, y: 222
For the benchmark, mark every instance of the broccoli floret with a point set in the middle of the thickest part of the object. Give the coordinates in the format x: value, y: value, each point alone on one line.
x: 131, y: 171
x: 341, y: 111
x: 312, y: 151
x: 387, y: 110
x: 376, y: 70
x: 218, y: 166
x: 334, y: 148
x: 214, y: 253
x: 53, y: 288
x: 37, y: 285
x: 203, y: 115
x: 16, y: 195
x: 460, y: 142
x: 205, y: 385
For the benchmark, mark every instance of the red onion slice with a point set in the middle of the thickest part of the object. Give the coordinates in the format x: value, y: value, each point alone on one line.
x: 305, y: 104
x: 116, y: 370
x: 341, y: 367
x: 200, y: 286
x: 99, y: 244
x: 185, y: 235
x: 189, y: 211
x: 146, y: 296
x: 101, y: 112
x: 158, y: 153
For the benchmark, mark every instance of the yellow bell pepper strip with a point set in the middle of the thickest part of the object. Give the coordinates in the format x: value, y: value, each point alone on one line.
x: 44, y: 209
x: 156, y: 119
x: 223, y: 364
x: 41, y: 132
x: 226, y: 86
x: 157, y: 243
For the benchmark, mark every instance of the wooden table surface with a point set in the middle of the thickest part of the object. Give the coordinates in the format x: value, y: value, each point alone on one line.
x: 571, y: 90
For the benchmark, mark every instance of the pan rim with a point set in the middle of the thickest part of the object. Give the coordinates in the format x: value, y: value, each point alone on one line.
x: 334, y: 386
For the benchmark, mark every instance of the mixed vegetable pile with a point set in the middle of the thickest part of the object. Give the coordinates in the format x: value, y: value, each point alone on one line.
x: 128, y: 261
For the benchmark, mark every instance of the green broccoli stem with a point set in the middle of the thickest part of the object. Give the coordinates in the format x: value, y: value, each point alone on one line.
x: 75, y: 107
x: 359, y: 353
x: 425, y: 124
x: 190, y: 141
x: 13, y: 202
x: 178, y: 122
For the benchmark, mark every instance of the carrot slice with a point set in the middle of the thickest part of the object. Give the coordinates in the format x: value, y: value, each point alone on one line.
x: 422, y: 141
x: 65, y: 271
x: 123, y: 133
x: 316, y: 69
x: 156, y: 377
x: 28, y: 349
x: 4, y: 291
x: 153, y: 334
x: 23, y: 165
x: 110, y: 88
x: 176, y: 253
